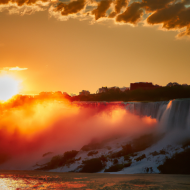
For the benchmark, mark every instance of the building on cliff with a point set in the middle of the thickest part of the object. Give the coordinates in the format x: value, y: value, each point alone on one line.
x: 143, y: 85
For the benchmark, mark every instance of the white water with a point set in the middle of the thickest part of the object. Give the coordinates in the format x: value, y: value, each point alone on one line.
x: 173, y: 118
x: 170, y: 115
x: 174, y: 114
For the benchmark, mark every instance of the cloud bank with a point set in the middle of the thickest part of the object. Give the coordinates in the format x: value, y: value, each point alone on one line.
x: 170, y: 14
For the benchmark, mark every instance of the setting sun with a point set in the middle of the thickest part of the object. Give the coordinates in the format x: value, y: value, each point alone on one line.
x: 9, y: 87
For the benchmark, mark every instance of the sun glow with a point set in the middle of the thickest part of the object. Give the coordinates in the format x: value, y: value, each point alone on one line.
x: 9, y: 87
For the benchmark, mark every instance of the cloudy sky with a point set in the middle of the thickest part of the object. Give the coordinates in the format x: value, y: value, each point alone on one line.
x: 74, y: 45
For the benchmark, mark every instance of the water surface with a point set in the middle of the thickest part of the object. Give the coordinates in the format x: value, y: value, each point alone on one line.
x: 25, y: 180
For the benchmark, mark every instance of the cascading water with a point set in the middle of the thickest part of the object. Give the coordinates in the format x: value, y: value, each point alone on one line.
x: 153, y: 109
x: 174, y: 114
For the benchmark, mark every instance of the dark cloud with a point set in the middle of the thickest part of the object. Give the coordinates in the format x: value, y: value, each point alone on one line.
x: 152, y: 5
x: 166, y: 14
x: 112, y: 14
x: 71, y: 8
x: 4, y: 2
x: 132, y: 14
x: 119, y: 4
x: 175, y: 16
x: 100, y: 11
x: 60, y: 7
x: 171, y: 14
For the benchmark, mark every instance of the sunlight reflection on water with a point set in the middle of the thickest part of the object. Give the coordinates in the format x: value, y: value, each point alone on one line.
x: 27, y: 180
x: 13, y: 183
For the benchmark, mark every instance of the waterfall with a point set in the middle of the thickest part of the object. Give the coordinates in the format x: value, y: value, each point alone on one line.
x: 153, y: 109
x: 174, y: 114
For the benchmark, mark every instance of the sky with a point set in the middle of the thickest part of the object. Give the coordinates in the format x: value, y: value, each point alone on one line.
x: 74, y: 45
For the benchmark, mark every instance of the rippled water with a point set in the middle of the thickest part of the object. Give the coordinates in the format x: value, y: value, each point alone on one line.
x: 25, y: 180
x: 32, y: 182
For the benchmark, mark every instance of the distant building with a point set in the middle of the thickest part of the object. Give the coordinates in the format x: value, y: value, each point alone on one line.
x: 169, y: 84
x: 84, y: 92
x: 172, y: 84
x: 103, y: 89
x: 143, y: 85
x: 123, y: 89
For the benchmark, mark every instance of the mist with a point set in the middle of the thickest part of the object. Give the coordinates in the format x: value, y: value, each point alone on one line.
x: 29, y: 130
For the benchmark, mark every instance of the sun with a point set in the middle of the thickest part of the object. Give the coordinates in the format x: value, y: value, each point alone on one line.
x: 9, y: 87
